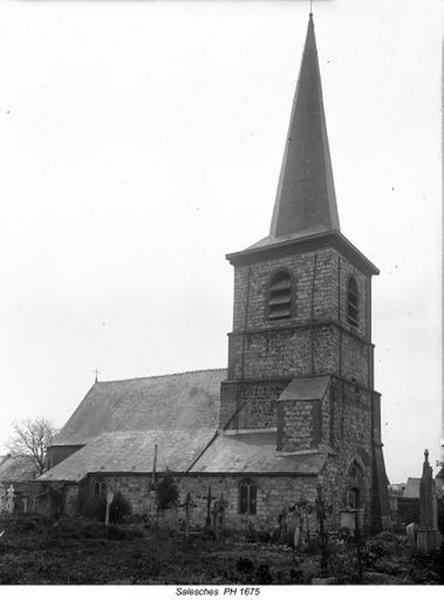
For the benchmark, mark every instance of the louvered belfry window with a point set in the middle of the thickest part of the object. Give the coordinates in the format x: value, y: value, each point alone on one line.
x: 352, y: 302
x: 247, y: 497
x: 279, y: 296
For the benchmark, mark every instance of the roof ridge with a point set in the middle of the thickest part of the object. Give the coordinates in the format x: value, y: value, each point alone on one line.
x: 163, y: 375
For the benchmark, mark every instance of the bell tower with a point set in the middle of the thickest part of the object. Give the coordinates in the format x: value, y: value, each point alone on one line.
x: 300, y: 358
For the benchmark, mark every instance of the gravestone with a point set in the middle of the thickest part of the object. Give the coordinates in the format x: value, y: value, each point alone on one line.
x: 428, y: 537
x: 109, y: 499
x: 299, y: 524
x: 347, y: 519
x: 411, y: 532
x: 10, y: 499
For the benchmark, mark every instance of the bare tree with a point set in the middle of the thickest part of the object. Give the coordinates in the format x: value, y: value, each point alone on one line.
x: 30, y: 438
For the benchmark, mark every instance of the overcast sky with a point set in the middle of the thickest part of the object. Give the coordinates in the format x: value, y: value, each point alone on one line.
x: 141, y: 141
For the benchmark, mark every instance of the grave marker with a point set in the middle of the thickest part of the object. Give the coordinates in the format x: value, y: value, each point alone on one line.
x: 109, y: 499
x: 428, y: 536
x: 10, y: 499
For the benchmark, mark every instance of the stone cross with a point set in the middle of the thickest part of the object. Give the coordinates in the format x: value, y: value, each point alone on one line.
x: 428, y: 537
x: 209, y: 499
x: 10, y: 497
x: 188, y: 504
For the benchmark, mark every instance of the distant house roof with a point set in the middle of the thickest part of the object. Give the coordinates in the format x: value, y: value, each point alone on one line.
x: 182, y: 401
x: 16, y: 468
x: 412, y: 488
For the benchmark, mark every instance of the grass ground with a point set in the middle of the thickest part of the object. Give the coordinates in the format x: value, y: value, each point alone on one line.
x: 34, y: 550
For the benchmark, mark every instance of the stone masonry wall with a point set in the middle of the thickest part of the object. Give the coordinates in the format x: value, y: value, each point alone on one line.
x: 252, y: 402
x: 356, y: 359
x: 299, y: 425
x: 320, y: 281
x: 283, y: 352
x: 351, y: 440
x: 304, y: 424
x: 274, y: 493
x: 344, y: 270
x: 316, y: 289
x: 317, y: 339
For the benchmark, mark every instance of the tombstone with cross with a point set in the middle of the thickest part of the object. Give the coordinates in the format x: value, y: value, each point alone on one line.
x: 428, y: 537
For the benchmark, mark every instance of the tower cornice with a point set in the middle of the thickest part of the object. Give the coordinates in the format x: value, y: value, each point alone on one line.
x: 271, y: 249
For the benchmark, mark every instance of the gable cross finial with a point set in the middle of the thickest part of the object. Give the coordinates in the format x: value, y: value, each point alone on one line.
x: 97, y: 373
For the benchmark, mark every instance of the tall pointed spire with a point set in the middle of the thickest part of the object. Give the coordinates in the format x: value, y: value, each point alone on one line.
x: 305, y: 201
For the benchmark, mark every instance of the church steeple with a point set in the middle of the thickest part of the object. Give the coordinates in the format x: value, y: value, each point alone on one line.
x: 305, y: 201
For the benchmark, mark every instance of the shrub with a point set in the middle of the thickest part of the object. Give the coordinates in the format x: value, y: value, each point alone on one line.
x: 167, y: 492
x: 263, y: 575
x: 427, y: 568
x: 244, y: 565
x: 119, y: 509
x: 95, y: 508
x: 379, y: 546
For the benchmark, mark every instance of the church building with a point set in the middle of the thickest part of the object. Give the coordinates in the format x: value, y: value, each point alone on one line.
x: 296, y: 407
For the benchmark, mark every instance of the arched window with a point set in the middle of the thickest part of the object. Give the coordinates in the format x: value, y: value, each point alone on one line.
x: 247, y: 497
x: 352, y: 302
x: 99, y: 488
x: 279, y: 296
x: 353, y: 498
x: 354, y: 486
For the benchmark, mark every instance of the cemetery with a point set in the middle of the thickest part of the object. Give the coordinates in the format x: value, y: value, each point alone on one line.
x: 104, y: 543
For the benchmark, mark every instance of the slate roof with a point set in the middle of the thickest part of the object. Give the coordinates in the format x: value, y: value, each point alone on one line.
x: 119, y: 422
x: 16, y: 468
x: 305, y: 200
x: 255, y: 452
x: 440, y: 474
x: 133, y: 451
x: 305, y: 388
x: 412, y: 488
x: 181, y: 401
x: 196, y: 451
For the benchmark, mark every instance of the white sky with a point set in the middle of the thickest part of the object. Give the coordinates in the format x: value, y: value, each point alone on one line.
x: 141, y: 141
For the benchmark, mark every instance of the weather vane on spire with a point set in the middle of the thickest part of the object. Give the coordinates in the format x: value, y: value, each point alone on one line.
x: 311, y: 8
